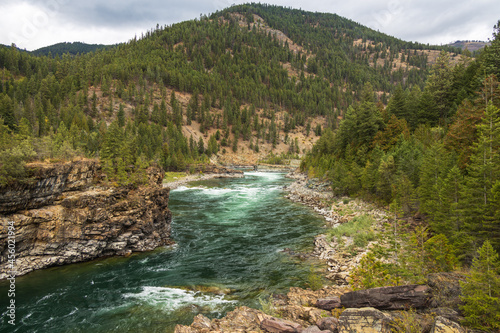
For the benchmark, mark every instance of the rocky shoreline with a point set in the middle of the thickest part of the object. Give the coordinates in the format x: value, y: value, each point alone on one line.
x: 205, y: 172
x: 317, y: 194
x: 312, y: 193
x: 197, y: 177
x: 336, y: 308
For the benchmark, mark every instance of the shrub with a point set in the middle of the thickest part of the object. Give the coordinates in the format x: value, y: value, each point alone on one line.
x: 371, y: 273
x: 314, y: 280
x: 268, y: 307
x: 359, y: 228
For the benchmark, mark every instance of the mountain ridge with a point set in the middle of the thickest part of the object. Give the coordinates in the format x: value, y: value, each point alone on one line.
x: 72, y: 48
x: 252, y: 80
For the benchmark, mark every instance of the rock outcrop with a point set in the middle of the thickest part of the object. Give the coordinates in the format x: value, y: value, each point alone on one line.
x: 443, y: 325
x: 276, y: 325
x: 388, y: 298
x: 328, y: 303
x: 242, y: 319
x: 364, y: 320
x: 46, y: 183
x: 65, y: 214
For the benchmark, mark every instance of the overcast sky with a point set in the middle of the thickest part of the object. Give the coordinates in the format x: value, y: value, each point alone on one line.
x: 32, y: 24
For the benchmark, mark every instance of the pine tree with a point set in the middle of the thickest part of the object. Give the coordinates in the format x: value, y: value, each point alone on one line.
x: 7, y: 111
x: 439, y: 86
x: 412, y: 100
x: 483, y: 173
x: 397, y: 104
x: 481, y: 291
x: 121, y: 116
x: 463, y: 131
x: 235, y: 142
x: 201, y: 146
x: 155, y: 114
x: 491, y: 54
x: 433, y: 172
x: 111, y: 150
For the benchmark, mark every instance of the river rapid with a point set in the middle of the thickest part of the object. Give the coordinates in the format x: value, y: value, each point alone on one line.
x: 229, y: 234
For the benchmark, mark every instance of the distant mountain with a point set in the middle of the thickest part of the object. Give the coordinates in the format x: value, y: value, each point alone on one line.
x: 71, y: 48
x: 9, y: 46
x: 471, y: 45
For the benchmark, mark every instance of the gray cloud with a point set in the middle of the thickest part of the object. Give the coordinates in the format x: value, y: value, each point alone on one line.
x: 128, y: 12
x: 34, y: 23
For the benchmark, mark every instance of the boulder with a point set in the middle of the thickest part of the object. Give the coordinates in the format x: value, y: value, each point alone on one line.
x: 275, y: 325
x: 303, y: 315
x: 184, y: 329
x: 315, y: 329
x: 364, y: 320
x: 447, y: 313
x: 200, y: 322
x: 242, y: 319
x: 388, y: 298
x: 328, y: 303
x: 443, y: 325
x: 328, y: 323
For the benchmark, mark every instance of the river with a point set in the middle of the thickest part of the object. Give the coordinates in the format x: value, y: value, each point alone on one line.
x: 229, y: 236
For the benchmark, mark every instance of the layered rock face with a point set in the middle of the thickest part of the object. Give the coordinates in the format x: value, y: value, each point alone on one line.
x: 64, y: 214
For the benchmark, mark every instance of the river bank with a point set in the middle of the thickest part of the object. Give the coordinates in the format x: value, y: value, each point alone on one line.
x: 208, y: 173
x: 335, y: 307
x: 193, y: 178
x: 339, y: 254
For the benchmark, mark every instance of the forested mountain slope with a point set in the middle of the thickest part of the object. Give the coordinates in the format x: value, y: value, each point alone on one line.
x: 431, y: 153
x: 235, y: 85
x: 69, y: 48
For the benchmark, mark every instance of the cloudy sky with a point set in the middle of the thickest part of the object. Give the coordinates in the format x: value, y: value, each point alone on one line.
x: 32, y: 24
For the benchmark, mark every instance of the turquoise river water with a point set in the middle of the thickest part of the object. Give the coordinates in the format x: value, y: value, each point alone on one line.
x: 229, y: 234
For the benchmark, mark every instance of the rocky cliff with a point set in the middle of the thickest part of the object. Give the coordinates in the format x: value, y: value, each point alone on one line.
x: 65, y: 214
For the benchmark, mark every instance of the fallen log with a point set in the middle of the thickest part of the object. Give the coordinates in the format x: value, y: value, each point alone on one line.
x: 388, y: 298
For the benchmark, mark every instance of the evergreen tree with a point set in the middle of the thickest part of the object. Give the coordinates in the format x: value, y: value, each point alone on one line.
x: 439, y: 84
x: 201, y: 146
x: 435, y: 166
x: 121, y: 116
x: 483, y: 172
x: 155, y: 114
x: 481, y: 291
x: 397, y: 104
x: 235, y: 142
x: 491, y: 53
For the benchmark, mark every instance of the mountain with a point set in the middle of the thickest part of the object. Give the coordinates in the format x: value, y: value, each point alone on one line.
x: 71, y: 48
x: 247, y: 83
x: 471, y: 45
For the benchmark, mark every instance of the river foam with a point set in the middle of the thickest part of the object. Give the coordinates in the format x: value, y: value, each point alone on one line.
x: 175, y: 298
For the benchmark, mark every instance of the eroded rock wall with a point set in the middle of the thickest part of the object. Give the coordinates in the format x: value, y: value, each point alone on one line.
x: 65, y: 215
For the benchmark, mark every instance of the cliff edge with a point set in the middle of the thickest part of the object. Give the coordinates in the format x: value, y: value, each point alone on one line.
x: 65, y: 214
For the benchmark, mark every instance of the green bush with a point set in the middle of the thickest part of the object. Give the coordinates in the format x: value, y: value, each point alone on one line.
x: 15, y: 151
x: 360, y: 228
x: 268, y: 307
x: 314, y: 280
x: 410, y: 258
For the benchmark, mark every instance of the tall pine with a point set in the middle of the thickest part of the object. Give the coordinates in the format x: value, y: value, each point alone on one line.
x: 483, y: 173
